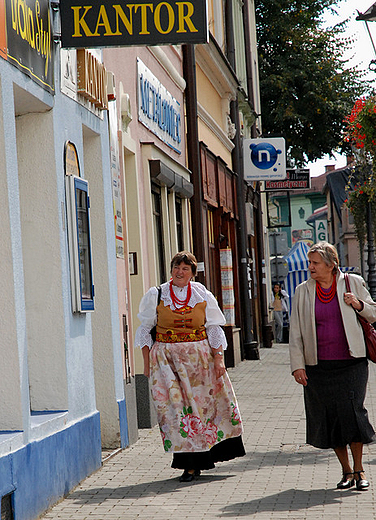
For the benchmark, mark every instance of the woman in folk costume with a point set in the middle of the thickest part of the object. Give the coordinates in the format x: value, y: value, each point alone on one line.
x: 196, y: 406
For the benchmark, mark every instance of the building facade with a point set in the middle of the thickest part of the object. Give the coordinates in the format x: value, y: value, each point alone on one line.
x: 155, y: 188
x: 61, y: 384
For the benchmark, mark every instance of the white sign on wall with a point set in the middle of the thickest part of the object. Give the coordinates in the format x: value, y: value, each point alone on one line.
x: 321, y: 227
x: 158, y: 110
x: 264, y: 159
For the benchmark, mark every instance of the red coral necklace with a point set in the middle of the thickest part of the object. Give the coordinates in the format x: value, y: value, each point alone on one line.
x: 176, y: 301
x: 326, y: 297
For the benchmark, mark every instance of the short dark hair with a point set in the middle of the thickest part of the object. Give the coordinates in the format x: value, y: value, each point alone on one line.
x: 187, y: 258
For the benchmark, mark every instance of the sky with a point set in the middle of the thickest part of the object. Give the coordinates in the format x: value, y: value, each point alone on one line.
x: 361, y: 55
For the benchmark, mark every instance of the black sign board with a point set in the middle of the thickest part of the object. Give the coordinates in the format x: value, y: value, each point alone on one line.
x: 295, y: 180
x: 27, y: 41
x: 99, y: 23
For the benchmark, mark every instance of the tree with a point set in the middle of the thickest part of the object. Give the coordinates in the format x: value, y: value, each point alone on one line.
x: 306, y: 89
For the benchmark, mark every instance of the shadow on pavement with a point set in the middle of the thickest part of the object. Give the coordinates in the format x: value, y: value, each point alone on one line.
x: 289, y: 500
x: 147, y: 489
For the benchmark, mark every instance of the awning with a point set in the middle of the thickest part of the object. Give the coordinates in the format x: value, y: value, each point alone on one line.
x: 369, y: 15
x: 319, y: 213
x: 297, y: 261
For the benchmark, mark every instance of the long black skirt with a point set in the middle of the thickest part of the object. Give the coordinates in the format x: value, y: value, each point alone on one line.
x: 225, y: 450
x: 334, y: 404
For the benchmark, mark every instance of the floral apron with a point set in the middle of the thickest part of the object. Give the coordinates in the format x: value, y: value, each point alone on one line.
x: 195, y: 410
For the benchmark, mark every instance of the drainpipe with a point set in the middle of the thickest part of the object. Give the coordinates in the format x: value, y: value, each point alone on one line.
x: 193, y: 154
x: 249, y: 347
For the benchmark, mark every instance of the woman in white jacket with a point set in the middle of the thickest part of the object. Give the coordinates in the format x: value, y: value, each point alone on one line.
x: 328, y: 357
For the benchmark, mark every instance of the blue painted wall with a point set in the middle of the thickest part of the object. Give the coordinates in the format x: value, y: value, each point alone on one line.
x: 44, y: 471
x: 124, y: 437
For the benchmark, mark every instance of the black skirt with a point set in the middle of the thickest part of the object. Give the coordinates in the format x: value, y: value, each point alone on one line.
x: 225, y: 450
x: 334, y: 404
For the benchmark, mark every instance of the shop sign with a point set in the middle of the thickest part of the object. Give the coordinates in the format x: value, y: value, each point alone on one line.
x: 26, y: 39
x: 264, y: 159
x: 321, y: 227
x: 92, y: 79
x: 158, y: 110
x: 98, y: 23
x: 298, y: 179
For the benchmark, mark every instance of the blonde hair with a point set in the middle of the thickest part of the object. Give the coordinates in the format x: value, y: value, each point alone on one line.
x: 328, y: 253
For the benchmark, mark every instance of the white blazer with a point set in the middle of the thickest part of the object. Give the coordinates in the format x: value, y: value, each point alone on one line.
x: 302, y: 339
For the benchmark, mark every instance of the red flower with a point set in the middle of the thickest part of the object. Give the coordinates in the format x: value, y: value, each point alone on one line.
x: 192, y: 425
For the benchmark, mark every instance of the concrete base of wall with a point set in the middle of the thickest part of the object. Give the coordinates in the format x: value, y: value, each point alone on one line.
x: 131, y: 402
x: 42, y: 472
x: 233, y: 353
x: 147, y: 417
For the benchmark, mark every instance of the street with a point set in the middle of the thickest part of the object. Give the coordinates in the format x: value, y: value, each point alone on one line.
x: 280, y: 476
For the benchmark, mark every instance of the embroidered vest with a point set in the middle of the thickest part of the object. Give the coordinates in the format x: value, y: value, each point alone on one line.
x: 183, y: 324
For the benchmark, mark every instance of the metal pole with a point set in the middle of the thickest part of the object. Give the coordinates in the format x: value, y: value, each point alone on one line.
x: 371, y: 253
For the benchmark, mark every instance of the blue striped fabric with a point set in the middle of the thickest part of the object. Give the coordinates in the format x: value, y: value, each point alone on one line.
x: 297, y: 261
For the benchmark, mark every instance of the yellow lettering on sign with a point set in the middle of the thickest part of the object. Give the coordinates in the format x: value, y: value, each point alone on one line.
x: 80, y: 22
x: 157, y: 17
x: 128, y: 22
x: 28, y: 24
x: 144, y: 17
x: 105, y: 23
x: 92, y: 79
x: 180, y: 16
x: 185, y: 18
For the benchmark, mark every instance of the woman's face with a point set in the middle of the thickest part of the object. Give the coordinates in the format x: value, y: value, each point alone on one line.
x: 181, y: 274
x: 320, y: 271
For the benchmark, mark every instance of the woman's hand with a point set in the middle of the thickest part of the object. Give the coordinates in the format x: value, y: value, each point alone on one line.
x: 352, y: 300
x: 219, y: 365
x: 300, y: 376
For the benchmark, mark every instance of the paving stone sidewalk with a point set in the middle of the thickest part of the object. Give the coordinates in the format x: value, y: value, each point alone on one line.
x: 280, y: 477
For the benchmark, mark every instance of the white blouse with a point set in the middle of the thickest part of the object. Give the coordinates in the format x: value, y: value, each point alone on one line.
x: 148, y: 313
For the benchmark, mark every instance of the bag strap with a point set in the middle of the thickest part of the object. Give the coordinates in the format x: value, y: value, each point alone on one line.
x: 159, y: 289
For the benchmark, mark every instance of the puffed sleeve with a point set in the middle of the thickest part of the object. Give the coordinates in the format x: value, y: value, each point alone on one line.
x: 214, y: 320
x: 148, y: 318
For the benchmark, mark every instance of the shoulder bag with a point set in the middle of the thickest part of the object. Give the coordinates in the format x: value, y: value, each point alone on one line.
x: 153, y: 331
x: 368, y: 329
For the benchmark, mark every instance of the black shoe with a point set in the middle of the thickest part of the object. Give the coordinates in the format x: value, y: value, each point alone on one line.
x: 188, y: 477
x: 361, y: 483
x: 347, y: 481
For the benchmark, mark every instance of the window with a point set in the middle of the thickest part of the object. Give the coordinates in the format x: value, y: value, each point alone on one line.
x: 78, y: 208
x: 179, y: 223
x: 158, y: 233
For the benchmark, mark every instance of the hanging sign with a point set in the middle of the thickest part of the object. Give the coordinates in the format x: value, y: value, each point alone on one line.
x: 321, y: 227
x: 26, y: 39
x: 264, y: 159
x: 98, y: 23
x: 298, y: 179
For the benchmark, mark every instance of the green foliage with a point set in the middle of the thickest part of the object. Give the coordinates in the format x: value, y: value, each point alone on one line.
x: 306, y: 90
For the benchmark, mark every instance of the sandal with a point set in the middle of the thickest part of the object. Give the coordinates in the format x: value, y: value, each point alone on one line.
x: 347, y: 481
x: 361, y: 483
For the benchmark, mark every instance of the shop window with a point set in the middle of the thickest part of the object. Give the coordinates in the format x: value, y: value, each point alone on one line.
x: 78, y: 210
x: 158, y: 233
x: 179, y: 223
